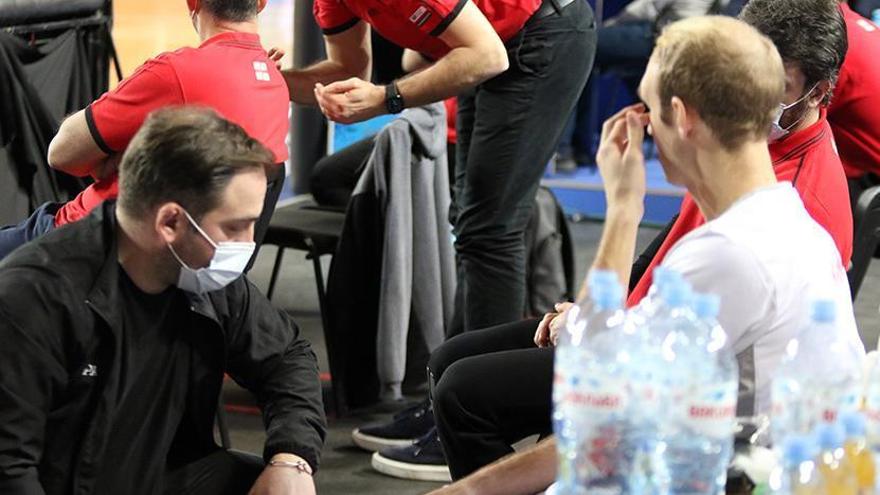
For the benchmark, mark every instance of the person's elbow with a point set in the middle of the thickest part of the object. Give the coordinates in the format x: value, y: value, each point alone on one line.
x: 56, y: 156
x: 492, y: 60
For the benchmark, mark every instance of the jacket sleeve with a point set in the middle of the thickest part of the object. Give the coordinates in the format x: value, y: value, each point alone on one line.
x: 30, y: 373
x: 267, y: 355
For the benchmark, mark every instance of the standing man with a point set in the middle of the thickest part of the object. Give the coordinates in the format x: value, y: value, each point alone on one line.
x: 229, y: 72
x: 116, y: 331
x: 517, y: 66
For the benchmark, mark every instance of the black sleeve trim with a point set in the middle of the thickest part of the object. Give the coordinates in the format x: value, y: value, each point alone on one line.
x: 342, y: 27
x: 448, y: 19
x: 93, y: 129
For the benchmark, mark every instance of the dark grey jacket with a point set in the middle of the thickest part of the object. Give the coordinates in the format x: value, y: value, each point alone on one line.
x: 60, y: 361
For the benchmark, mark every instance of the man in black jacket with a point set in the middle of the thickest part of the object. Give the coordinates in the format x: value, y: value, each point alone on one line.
x: 115, y: 333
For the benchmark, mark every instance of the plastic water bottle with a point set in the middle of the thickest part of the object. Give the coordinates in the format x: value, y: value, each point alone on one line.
x: 701, y: 385
x: 589, y: 394
x: 797, y: 474
x: 872, y: 416
x: 875, y: 16
x: 857, y: 452
x: 837, y: 472
x: 818, y: 378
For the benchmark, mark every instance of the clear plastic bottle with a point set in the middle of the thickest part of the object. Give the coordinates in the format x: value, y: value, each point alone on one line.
x: 857, y: 452
x: 838, y: 474
x: 818, y: 379
x: 797, y: 473
x: 700, y: 386
x: 589, y: 394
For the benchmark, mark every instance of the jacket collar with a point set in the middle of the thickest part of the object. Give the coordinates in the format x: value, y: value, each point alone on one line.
x: 103, y: 296
x: 800, y: 142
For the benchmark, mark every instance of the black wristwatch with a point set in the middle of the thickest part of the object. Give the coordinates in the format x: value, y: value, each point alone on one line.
x: 393, y: 99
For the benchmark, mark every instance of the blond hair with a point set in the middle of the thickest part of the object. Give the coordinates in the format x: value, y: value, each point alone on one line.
x: 724, y: 69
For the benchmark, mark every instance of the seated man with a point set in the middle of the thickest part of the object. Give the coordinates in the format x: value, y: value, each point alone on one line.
x: 230, y: 72
x: 853, y: 111
x: 760, y: 250
x: 810, y: 37
x: 116, y: 332
x: 802, y: 146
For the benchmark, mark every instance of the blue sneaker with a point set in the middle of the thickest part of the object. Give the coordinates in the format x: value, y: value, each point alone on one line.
x: 423, y: 460
x: 403, y: 430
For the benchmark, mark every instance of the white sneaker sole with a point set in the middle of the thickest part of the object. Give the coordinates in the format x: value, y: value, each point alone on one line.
x: 407, y: 471
x: 375, y: 444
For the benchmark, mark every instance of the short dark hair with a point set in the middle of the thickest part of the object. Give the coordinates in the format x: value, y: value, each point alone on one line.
x: 232, y: 10
x: 809, y: 33
x: 187, y: 155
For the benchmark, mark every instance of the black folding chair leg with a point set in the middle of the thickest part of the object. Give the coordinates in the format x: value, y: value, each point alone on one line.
x: 223, y: 426
x: 275, y: 269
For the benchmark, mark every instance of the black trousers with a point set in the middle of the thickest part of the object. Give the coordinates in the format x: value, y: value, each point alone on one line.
x: 508, y: 128
x: 491, y: 388
x: 225, y: 472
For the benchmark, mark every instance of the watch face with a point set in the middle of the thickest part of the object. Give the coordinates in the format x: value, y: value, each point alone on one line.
x: 393, y: 100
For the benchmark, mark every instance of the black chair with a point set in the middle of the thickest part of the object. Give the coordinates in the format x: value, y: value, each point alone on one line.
x: 304, y: 226
x: 866, y: 236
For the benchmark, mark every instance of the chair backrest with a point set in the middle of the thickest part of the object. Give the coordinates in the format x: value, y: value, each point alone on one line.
x: 866, y: 223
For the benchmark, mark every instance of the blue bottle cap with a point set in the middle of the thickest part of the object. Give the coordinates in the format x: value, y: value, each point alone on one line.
x: 830, y: 436
x: 676, y: 294
x: 598, y: 278
x: 607, y: 296
x: 797, y: 449
x: 854, y: 423
x: 824, y: 311
x: 706, y: 305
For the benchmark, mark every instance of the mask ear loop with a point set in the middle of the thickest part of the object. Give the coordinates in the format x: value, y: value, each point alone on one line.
x: 194, y: 224
x: 174, y: 253
x: 793, y: 104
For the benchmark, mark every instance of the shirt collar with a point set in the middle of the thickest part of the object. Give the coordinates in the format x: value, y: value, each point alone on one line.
x: 233, y: 37
x: 798, y: 142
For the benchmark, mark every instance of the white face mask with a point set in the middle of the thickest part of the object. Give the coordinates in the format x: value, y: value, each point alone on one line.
x: 778, y: 132
x: 227, y: 264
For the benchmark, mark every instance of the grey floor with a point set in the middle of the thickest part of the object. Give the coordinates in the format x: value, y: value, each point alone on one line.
x: 346, y: 469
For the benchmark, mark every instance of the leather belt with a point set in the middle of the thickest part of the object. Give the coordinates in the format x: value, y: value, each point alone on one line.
x: 550, y: 7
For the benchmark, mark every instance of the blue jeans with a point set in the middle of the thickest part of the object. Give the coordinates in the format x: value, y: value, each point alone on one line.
x: 39, y: 223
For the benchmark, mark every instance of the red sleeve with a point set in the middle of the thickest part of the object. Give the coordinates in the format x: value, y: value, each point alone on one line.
x: 116, y: 116
x: 333, y: 16
x: 431, y: 16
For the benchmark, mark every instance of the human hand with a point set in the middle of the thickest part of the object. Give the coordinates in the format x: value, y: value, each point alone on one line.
x: 558, y: 322
x: 280, y: 480
x: 620, y: 158
x: 275, y: 55
x: 542, y: 334
x: 351, y: 100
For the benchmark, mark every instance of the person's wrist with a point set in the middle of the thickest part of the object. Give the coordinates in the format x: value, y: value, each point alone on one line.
x: 626, y: 209
x: 292, y: 462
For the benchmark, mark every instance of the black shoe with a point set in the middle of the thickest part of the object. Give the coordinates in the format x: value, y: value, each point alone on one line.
x: 422, y: 460
x: 402, y: 431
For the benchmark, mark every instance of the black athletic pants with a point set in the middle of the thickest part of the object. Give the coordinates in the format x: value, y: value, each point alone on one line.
x: 225, y: 472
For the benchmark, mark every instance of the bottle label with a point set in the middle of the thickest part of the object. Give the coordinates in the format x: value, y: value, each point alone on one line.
x: 711, y: 410
x: 597, y: 396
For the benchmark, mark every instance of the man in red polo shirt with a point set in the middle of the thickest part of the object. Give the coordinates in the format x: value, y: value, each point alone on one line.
x: 853, y: 113
x: 517, y: 67
x: 801, y: 145
x: 229, y: 72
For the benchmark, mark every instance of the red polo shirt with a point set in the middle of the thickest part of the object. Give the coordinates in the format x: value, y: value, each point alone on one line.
x: 229, y: 73
x: 416, y: 24
x: 854, y: 113
x: 809, y: 161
